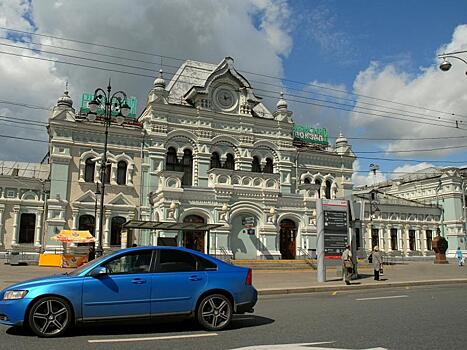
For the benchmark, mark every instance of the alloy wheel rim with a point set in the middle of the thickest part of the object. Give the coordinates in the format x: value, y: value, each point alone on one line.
x: 215, y: 312
x: 50, y: 317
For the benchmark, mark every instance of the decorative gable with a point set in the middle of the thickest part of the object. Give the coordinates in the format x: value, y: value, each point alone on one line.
x: 87, y: 197
x: 224, y: 90
x: 121, y: 200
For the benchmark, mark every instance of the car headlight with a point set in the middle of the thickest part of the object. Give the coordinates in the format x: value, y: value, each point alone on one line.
x: 15, y: 294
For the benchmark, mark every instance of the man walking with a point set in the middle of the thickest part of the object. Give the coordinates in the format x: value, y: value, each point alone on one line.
x: 347, y: 265
x: 377, y: 261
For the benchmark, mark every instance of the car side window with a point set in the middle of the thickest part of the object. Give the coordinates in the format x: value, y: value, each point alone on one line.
x: 171, y: 260
x: 134, y: 262
x: 205, y: 264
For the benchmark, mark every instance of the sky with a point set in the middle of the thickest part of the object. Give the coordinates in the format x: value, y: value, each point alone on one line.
x: 366, y: 68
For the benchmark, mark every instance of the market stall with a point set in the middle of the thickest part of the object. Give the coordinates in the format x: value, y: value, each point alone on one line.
x: 75, y: 251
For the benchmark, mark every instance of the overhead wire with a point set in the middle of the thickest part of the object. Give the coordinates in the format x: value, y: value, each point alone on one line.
x: 291, y: 100
x: 247, y: 72
x: 171, y: 66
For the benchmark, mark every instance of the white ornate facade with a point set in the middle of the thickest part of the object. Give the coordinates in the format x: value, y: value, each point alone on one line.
x: 428, y: 201
x: 205, y: 149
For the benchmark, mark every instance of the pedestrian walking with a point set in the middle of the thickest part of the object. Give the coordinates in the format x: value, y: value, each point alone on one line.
x: 347, y: 265
x: 377, y: 262
x: 459, y: 257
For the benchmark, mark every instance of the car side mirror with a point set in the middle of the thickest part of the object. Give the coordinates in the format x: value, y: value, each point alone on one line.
x: 99, y: 271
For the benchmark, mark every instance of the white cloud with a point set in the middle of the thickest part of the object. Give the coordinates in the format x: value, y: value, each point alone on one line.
x: 204, y: 30
x: 410, y: 169
x: 430, y: 88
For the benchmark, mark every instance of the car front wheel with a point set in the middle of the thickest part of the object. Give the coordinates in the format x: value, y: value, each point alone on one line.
x: 214, y: 312
x: 50, y: 317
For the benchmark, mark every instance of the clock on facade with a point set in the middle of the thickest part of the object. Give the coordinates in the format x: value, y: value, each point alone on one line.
x: 225, y: 98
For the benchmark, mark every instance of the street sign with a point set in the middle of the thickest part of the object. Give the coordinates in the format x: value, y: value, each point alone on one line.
x: 310, y: 135
x: 88, y: 97
x: 333, y: 233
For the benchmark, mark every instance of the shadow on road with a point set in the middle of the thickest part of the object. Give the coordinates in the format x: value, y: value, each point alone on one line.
x: 146, y: 327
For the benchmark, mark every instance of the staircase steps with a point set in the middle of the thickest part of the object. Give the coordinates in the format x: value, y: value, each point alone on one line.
x: 299, y: 264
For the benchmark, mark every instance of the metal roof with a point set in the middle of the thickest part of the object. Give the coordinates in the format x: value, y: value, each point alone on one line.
x: 175, y: 226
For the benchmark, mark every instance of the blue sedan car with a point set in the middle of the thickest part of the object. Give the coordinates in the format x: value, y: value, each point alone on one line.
x: 133, y: 283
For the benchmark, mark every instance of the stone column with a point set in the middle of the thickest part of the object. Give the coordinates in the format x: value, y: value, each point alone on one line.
x: 106, y: 237
x: 388, y: 238
x: 2, y: 208
x: 381, y: 240
x: 406, y: 240
x: 96, y: 228
x: 418, y: 243
x: 74, y: 225
x: 400, y: 234
x: 38, y: 233
x: 14, y: 238
x: 423, y: 240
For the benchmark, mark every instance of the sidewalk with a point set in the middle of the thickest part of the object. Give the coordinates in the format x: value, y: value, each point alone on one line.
x: 299, y: 281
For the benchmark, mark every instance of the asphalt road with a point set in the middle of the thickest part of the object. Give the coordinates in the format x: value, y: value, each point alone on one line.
x: 432, y: 317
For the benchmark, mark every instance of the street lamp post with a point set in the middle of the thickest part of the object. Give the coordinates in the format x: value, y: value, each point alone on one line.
x: 115, y: 102
x: 446, y: 65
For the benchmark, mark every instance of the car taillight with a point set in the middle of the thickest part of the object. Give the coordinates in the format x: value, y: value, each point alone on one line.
x: 249, y: 278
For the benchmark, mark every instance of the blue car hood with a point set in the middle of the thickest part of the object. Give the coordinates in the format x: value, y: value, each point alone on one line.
x: 39, y: 282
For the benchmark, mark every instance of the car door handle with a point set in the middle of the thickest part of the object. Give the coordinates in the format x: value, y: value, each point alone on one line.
x: 138, y: 281
x: 195, y: 278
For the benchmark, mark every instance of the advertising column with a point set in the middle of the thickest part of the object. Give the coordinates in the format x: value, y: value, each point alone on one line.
x: 333, y: 233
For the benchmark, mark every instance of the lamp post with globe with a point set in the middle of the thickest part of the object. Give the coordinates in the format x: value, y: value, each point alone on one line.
x: 446, y: 64
x: 103, y: 107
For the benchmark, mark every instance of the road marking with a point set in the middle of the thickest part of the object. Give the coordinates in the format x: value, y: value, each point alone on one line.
x: 334, y: 293
x: 122, y: 340
x: 389, y: 297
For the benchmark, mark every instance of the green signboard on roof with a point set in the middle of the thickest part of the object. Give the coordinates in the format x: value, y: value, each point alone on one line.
x: 87, y: 97
x: 306, y: 134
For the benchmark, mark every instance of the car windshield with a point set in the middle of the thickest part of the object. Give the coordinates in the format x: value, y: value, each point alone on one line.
x: 80, y: 269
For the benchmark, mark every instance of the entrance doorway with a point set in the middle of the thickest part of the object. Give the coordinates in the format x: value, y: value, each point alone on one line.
x: 194, y: 239
x: 287, y: 237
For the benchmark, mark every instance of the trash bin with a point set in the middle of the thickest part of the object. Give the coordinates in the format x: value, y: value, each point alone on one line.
x: 14, y: 258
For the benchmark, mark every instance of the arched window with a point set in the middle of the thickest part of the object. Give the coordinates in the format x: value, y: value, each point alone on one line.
x: 116, y: 230
x: 108, y: 172
x: 318, y: 182
x: 121, y: 172
x: 171, y: 160
x: 269, y: 166
x: 27, y: 227
x: 187, y: 164
x: 229, y: 162
x: 87, y: 222
x: 307, y: 181
x: 328, y: 189
x: 255, y: 165
x: 89, y: 167
x: 215, y: 160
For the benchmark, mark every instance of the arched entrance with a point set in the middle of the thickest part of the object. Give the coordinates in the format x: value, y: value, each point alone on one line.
x: 287, y: 239
x: 243, y: 240
x: 194, y: 239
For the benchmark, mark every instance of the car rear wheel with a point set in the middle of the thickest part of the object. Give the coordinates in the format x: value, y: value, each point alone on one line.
x: 50, y: 317
x: 214, y: 312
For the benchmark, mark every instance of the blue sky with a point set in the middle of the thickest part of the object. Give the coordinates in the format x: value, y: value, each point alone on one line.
x: 353, y: 33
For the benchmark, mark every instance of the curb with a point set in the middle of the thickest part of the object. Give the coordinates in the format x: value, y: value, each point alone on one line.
x: 317, y: 289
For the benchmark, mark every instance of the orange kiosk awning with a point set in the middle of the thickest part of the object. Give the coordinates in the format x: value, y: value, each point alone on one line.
x: 68, y: 260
